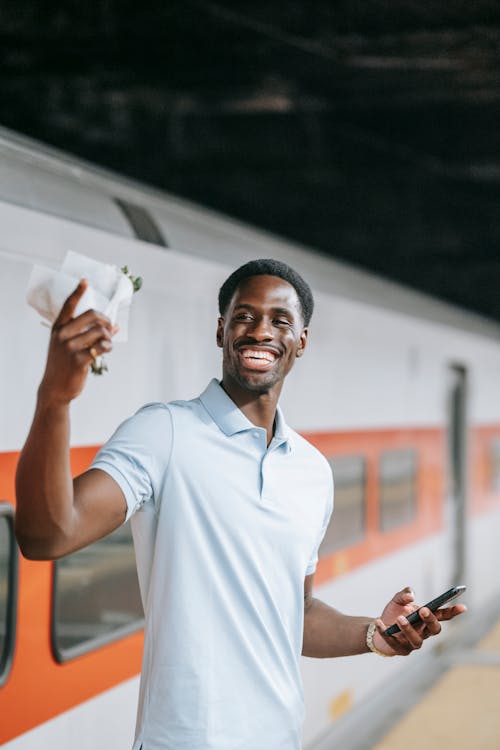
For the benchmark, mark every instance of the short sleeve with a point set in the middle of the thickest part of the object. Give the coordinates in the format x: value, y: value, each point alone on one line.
x: 137, y: 455
x: 329, y: 493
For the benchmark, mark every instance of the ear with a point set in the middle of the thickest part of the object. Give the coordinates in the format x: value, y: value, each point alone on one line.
x: 220, y: 332
x: 302, y: 342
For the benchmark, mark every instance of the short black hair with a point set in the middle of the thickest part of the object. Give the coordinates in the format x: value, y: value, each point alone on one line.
x: 268, y: 267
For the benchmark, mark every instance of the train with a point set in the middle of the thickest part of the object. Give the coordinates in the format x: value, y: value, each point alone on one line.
x: 397, y: 389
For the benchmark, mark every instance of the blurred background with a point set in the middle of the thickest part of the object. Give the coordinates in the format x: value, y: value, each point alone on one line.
x: 367, y: 130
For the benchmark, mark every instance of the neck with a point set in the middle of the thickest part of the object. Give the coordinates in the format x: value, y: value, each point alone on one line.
x: 259, y: 408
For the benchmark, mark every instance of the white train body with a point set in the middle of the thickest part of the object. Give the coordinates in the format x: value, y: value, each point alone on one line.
x: 379, y: 370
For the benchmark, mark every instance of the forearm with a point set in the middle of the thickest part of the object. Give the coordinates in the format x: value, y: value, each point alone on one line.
x: 44, y: 487
x: 329, y: 633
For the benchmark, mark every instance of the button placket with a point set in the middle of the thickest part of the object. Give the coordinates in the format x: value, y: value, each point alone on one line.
x: 266, y: 492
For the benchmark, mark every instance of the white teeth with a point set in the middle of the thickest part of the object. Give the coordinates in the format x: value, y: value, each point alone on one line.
x: 252, y: 354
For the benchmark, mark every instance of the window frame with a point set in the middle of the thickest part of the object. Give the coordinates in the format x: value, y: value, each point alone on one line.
x: 7, y: 657
x: 63, y: 655
x: 408, y: 450
x: 494, y: 464
x: 360, y: 536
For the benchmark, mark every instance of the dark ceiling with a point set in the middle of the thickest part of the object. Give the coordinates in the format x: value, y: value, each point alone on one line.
x: 368, y: 129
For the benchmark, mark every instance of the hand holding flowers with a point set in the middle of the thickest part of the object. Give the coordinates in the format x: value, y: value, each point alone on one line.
x: 101, y: 304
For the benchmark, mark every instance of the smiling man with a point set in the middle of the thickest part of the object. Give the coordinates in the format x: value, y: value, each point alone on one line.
x: 228, y: 508
x: 262, y: 329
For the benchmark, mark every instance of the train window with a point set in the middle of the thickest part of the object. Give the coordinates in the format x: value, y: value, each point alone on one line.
x: 144, y: 226
x: 96, y: 596
x: 495, y: 464
x: 398, y: 488
x: 347, y: 524
x: 8, y: 589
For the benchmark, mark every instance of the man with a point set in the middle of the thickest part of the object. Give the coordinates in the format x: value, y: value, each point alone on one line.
x: 229, y: 507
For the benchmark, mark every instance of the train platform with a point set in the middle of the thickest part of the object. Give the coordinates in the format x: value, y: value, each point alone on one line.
x: 462, y: 710
x: 449, y: 699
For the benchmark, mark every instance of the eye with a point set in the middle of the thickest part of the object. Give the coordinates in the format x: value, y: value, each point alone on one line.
x: 281, y: 322
x: 243, y: 316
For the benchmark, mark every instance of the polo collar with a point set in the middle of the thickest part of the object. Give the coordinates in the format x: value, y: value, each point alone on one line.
x: 231, y: 420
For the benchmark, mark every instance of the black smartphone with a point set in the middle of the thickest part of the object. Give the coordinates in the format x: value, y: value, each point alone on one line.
x: 414, y: 617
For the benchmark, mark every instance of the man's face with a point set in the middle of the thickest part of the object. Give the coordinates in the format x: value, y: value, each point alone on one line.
x: 261, y: 333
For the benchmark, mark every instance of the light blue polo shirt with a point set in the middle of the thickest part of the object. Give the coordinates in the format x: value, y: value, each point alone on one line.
x: 225, y: 530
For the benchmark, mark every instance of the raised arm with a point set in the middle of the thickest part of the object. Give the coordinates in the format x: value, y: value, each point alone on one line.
x: 54, y: 515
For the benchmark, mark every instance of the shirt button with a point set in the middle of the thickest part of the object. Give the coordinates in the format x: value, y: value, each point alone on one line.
x: 256, y: 435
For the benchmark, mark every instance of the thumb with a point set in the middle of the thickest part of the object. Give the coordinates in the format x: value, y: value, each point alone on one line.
x: 69, y: 306
x: 405, y: 596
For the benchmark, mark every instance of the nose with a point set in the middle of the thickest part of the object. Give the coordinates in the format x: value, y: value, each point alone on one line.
x: 261, y: 329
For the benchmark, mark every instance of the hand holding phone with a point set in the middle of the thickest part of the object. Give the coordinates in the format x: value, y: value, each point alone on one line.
x: 414, y: 617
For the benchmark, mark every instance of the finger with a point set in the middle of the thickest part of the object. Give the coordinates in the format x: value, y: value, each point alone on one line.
x: 411, y: 607
x: 405, y: 596
x: 448, y: 613
x: 94, y: 352
x: 408, y: 633
x: 84, y: 322
x: 70, y: 304
x: 100, y: 347
x: 415, y: 634
x: 398, y: 645
x: 96, y: 337
x: 430, y: 622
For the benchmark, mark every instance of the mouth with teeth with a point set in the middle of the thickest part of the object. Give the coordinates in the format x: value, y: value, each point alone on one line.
x: 258, y: 359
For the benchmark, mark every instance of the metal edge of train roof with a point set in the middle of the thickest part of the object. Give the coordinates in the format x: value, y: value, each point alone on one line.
x: 328, y: 274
